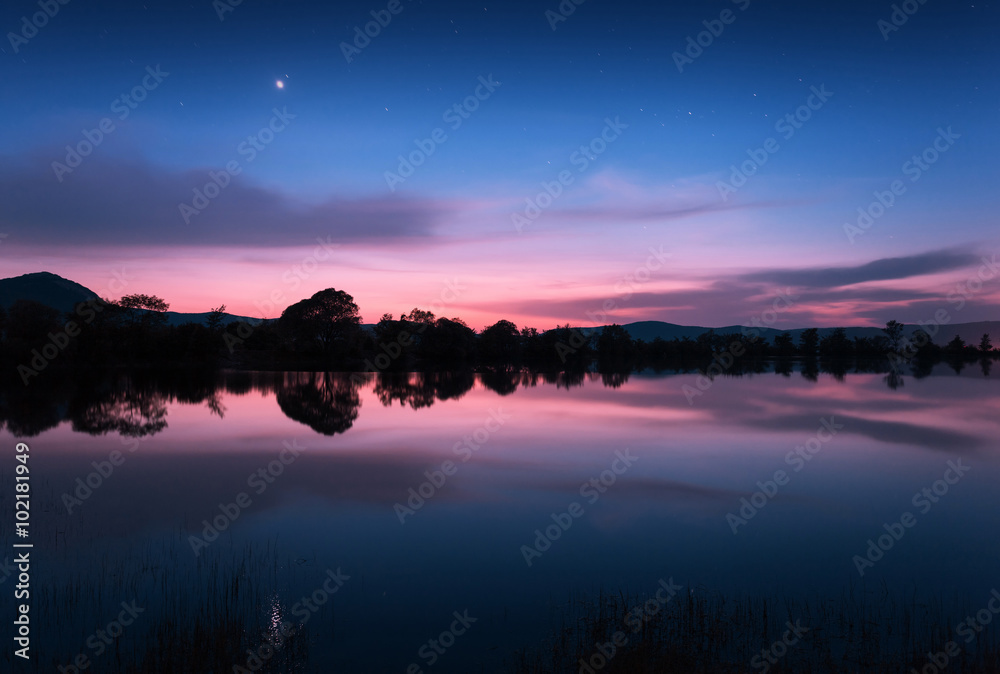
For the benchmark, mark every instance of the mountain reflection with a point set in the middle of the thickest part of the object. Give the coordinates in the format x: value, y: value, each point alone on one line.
x: 136, y: 404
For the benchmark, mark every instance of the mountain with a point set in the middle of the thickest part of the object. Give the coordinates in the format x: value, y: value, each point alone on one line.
x: 49, y: 289
x: 970, y: 332
x: 63, y: 294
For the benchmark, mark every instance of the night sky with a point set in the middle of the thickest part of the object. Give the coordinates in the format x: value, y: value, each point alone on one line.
x: 635, y: 128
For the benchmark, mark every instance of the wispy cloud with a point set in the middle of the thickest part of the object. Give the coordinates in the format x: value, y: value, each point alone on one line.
x: 884, y: 269
x: 111, y: 202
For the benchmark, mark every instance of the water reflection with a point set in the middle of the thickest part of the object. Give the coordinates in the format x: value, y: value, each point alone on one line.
x: 369, y: 439
x: 136, y: 404
x: 326, y: 402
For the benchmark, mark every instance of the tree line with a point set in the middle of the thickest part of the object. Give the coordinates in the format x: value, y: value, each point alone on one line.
x: 325, y: 331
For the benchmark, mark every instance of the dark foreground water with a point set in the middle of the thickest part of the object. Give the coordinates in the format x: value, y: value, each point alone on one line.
x: 473, y: 510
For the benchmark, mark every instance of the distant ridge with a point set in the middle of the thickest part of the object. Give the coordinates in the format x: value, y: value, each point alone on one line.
x: 62, y: 294
x: 970, y: 332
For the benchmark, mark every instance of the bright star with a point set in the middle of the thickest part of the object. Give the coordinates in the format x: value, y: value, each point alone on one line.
x: 281, y: 85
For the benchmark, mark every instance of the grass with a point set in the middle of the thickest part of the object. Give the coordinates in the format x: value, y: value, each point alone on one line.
x: 860, y: 632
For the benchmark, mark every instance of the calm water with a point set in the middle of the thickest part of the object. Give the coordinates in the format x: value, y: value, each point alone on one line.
x: 662, y: 515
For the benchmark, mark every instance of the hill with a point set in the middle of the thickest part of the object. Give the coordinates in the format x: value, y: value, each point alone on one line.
x: 63, y: 294
x: 970, y: 332
x: 49, y: 289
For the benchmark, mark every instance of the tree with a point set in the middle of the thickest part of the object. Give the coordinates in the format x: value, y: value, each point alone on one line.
x: 143, y: 309
x: 215, y: 318
x: 894, y: 332
x: 29, y: 323
x: 836, y: 344
x: 783, y: 344
x: 327, y: 318
x: 957, y: 345
x: 614, y: 346
x: 500, y: 341
x: 418, y: 316
x: 808, y: 341
x: 985, y: 344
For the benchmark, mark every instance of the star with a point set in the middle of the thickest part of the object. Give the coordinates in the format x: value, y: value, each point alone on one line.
x: 280, y: 84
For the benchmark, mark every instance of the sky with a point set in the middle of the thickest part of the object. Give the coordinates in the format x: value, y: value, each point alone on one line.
x: 800, y: 163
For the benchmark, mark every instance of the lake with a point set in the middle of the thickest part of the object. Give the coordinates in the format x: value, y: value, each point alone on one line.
x: 473, y: 509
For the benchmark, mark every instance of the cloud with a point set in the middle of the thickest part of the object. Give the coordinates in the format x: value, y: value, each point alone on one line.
x: 729, y: 299
x: 113, y: 202
x: 878, y: 270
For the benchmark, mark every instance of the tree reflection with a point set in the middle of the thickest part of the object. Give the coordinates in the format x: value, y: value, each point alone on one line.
x: 415, y: 390
x: 29, y: 413
x: 894, y: 379
x: 500, y: 380
x: 125, y: 409
x: 326, y: 402
x: 614, y: 379
x: 419, y: 390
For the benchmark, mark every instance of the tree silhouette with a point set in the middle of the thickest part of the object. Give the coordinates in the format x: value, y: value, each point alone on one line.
x: 808, y: 342
x: 215, y: 318
x: 499, y: 342
x: 784, y: 344
x: 894, y: 332
x: 144, y: 309
x: 985, y: 344
x: 328, y: 318
x: 956, y: 345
